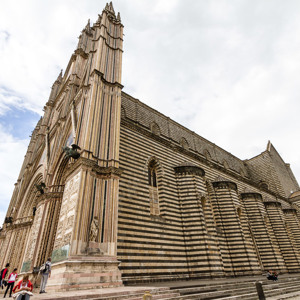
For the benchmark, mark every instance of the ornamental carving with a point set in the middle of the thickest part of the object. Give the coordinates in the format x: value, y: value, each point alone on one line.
x: 67, y: 213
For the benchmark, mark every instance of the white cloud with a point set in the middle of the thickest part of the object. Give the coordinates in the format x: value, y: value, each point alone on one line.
x: 12, y: 153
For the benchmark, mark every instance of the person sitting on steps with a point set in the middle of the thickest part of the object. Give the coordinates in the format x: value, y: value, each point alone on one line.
x: 23, y: 289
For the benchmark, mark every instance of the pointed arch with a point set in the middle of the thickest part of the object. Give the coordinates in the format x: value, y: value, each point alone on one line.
x: 207, y: 154
x: 154, y: 181
x: 155, y: 128
x: 183, y: 142
x: 25, y: 208
x: 263, y: 185
x: 225, y: 164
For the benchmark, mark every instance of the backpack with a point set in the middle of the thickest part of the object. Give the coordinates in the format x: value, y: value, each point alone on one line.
x: 1, y: 273
x: 43, y: 268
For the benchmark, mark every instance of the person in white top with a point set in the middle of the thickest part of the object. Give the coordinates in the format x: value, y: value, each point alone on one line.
x: 11, y: 282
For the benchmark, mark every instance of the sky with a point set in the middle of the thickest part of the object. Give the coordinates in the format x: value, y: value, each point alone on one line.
x: 226, y: 69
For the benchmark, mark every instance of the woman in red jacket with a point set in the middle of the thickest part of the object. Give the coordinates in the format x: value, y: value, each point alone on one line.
x: 3, y: 274
x: 24, y: 289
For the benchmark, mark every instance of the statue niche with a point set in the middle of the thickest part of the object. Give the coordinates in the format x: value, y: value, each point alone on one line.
x: 93, y: 244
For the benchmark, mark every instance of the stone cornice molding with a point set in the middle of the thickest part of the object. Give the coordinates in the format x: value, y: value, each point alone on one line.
x: 292, y: 211
x: 272, y: 203
x: 19, y: 223
x: 93, y: 167
x: 189, y: 170
x: 225, y: 185
x: 81, y: 52
x: 101, y: 75
x: 251, y: 195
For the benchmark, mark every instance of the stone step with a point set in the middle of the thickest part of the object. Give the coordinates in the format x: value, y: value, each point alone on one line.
x: 294, y: 295
x: 156, y: 294
x: 282, y: 290
x: 246, y: 290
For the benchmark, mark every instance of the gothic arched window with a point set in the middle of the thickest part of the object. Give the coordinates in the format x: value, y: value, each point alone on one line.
x: 152, y: 174
x: 153, y: 188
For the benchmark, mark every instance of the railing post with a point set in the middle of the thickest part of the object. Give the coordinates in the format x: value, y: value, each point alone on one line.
x: 260, y: 291
x: 147, y: 296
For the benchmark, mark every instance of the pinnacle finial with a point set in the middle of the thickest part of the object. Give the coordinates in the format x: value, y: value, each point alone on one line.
x: 111, y: 8
x: 87, y: 27
x: 119, y: 17
x: 59, y: 78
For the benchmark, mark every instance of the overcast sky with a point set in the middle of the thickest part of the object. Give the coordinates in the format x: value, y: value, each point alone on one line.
x: 228, y: 70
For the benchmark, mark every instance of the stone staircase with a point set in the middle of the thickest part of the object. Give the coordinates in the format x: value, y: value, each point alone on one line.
x: 157, y: 294
x: 288, y: 287
x: 240, y: 288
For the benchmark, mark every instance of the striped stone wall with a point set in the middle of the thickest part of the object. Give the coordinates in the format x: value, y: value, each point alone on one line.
x: 207, y: 225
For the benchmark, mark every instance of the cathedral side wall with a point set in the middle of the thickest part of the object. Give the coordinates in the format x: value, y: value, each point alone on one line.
x: 156, y: 245
x: 164, y: 245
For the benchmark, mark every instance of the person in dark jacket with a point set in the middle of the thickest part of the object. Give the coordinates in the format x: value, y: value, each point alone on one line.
x: 3, y: 274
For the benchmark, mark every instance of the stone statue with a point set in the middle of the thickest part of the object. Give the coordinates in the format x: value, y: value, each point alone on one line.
x: 94, y: 229
x: 40, y: 187
x: 72, y: 152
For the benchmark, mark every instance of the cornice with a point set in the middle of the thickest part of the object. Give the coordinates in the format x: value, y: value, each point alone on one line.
x: 225, y: 185
x: 189, y: 170
x: 251, y: 195
x: 272, y: 203
x: 101, y: 75
x: 93, y: 167
x: 292, y: 211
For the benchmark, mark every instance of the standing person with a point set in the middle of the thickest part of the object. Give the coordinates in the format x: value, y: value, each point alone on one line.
x: 45, y: 274
x: 23, y: 289
x: 3, y: 274
x: 11, y: 282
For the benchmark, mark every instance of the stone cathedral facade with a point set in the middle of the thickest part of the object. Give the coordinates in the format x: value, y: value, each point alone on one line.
x: 140, y: 197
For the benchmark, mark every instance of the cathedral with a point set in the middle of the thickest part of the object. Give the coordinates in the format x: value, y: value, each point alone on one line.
x: 115, y: 192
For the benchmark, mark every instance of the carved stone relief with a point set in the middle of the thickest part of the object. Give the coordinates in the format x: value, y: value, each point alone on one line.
x: 34, y: 233
x: 67, y: 213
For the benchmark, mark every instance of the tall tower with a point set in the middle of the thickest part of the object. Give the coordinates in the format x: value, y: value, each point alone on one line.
x: 71, y: 202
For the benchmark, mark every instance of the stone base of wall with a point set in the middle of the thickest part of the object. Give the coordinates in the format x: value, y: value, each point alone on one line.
x: 83, y: 272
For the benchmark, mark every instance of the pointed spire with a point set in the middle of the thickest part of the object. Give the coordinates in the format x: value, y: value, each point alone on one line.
x: 269, y: 146
x: 111, y: 8
x: 119, y: 17
x: 88, y: 25
x: 87, y: 28
x: 59, y: 78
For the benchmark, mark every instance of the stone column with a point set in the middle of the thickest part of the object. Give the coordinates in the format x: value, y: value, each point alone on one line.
x: 265, y: 241
x: 238, y: 254
x: 278, y: 223
x: 293, y: 228
x: 202, y: 250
